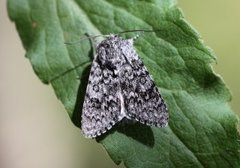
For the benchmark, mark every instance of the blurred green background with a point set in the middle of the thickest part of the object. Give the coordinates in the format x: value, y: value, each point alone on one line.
x: 35, y: 130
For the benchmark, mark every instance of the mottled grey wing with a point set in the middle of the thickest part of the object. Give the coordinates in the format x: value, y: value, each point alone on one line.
x: 142, y: 100
x: 102, y: 104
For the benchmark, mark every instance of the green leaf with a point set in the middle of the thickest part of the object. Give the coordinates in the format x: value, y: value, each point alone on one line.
x: 202, y: 128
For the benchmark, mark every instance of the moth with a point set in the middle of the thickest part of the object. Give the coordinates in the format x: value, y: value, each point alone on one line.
x: 120, y: 86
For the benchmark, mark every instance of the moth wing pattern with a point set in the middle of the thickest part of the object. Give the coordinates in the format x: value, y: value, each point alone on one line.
x: 102, y: 106
x: 142, y: 100
x: 120, y: 86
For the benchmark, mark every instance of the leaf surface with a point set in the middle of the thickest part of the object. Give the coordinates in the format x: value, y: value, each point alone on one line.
x: 202, y: 128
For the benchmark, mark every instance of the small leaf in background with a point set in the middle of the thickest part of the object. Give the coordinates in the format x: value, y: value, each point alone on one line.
x: 202, y: 128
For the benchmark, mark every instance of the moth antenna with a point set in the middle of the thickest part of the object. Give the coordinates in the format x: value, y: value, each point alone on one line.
x: 92, y: 38
x: 141, y: 31
x: 93, y: 44
x: 137, y: 30
x: 67, y: 71
x: 85, y: 38
x: 106, y: 35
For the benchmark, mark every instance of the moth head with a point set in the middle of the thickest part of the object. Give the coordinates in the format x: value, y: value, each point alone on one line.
x: 109, y: 52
